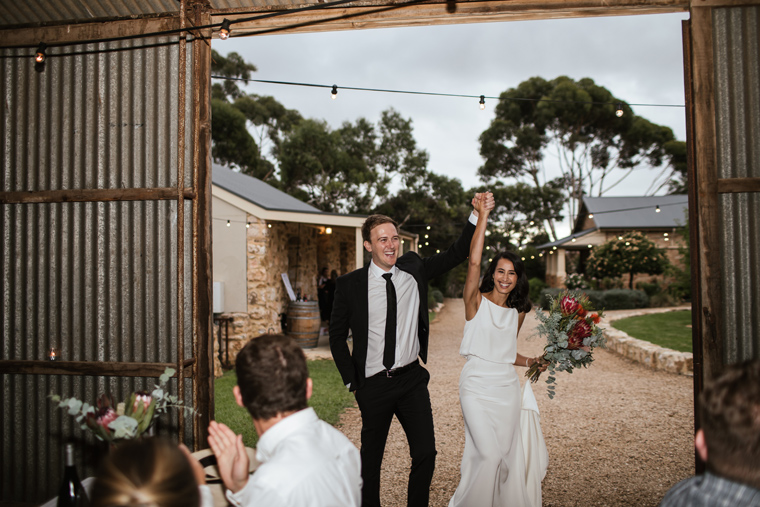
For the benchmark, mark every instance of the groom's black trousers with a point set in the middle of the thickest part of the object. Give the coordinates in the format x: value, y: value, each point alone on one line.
x: 407, y: 397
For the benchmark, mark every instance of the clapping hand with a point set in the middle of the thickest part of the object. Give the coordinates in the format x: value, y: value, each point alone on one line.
x: 231, y: 458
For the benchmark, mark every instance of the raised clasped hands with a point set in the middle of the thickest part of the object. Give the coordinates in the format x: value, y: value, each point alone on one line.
x: 483, y: 202
x: 231, y: 458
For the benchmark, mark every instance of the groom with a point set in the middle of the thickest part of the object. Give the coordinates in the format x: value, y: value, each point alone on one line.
x: 384, y: 304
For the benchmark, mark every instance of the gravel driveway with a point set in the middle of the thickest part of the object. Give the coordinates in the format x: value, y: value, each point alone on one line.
x: 618, y: 433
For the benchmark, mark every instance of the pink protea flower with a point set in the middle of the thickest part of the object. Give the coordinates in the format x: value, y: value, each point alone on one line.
x: 568, y: 305
x: 580, y: 331
x: 141, y: 398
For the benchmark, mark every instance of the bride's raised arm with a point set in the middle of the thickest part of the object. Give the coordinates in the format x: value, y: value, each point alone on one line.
x: 483, y: 204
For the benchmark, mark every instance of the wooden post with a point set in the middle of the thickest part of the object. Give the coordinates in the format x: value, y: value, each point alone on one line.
x: 203, y: 386
x: 706, y: 191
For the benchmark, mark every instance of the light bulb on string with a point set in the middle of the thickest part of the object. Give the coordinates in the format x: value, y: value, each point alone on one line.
x: 591, y: 215
x: 248, y: 225
x: 657, y: 209
x: 334, y: 92
x: 482, y: 102
x: 619, y: 109
x: 224, y: 31
x: 39, y: 56
x: 228, y: 223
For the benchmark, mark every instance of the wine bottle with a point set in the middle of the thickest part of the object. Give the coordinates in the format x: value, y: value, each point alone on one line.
x: 71, y: 494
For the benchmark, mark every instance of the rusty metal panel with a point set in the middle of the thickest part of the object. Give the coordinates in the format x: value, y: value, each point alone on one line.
x: 736, y: 45
x: 54, y: 11
x: 96, y: 280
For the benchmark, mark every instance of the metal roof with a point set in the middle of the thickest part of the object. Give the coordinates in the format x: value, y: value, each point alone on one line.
x: 257, y: 192
x: 566, y: 239
x: 636, y: 212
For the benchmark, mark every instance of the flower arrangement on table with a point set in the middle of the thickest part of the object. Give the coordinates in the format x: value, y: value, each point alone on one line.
x: 126, y: 420
x: 571, y: 331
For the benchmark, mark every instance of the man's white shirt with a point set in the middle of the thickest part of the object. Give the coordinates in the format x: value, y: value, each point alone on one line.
x: 304, y: 462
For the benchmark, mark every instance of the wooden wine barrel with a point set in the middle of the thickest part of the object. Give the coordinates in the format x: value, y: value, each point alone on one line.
x: 304, y: 322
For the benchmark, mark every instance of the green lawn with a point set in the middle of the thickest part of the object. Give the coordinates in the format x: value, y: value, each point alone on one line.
x: 670, y: 329
x: 329, y: 399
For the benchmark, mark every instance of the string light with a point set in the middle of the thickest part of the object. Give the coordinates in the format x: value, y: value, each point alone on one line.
x: 482, y: 102
x: 39, y: 56
x: 224, y: 31
x: 228, y: 223
x: 269, y: 226
x: 248, y: 225
x: 657, y: 209
x: 591, y: 215
x: 589, y: 246
x: 574, y: 240
x: 665, y: 234
x: 328, y: 230
x: 334, y: 92
x: 619, y: 109
x: 428, y: 228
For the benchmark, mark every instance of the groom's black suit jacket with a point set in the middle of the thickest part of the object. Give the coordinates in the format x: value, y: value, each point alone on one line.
x: 351, y: 306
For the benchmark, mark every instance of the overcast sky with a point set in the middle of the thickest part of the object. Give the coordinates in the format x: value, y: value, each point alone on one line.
x: 638, y: 58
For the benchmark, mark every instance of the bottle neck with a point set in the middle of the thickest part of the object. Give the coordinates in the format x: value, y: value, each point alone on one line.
x: 69, y: 455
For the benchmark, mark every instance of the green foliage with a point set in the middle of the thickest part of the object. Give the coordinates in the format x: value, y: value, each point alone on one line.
x: 619, y: 299
x: 536, y: 287
x: 632, y: 254
x: 577, y: 281
x: 615, y: 299
x: 669, y: 329
x: 351, y: 169
x: 233, y: 111
x: 233, y: 145
x: 329, y: 399
x: 577, y: 120
x: 680, y: 287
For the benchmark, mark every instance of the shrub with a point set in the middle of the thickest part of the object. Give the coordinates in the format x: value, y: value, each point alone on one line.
x: 623, y: 299
x: 577, y: 281
x: 650, y: 288
x: 431, y: 302
x: 437, y: 295
x: 536, y: 286
x: 615, y: 299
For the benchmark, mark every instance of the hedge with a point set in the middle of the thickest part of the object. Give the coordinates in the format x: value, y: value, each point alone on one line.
x: 614, y: 299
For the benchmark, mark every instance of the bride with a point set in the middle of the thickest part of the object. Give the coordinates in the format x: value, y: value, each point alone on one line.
x: 504, y: 456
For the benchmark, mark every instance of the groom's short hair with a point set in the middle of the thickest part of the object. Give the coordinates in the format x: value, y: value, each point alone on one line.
x: 729, y: 412
x: 373, y: 221
x: 271, y: 374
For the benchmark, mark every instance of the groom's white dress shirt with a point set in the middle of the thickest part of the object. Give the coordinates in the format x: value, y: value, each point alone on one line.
x: 304, y: 462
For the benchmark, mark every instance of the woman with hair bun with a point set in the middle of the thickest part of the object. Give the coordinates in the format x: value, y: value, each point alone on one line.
x: 494, y: 471
x: 150, y: 472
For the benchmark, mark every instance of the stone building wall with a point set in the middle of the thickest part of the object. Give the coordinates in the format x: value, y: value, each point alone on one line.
x: 272, y: 249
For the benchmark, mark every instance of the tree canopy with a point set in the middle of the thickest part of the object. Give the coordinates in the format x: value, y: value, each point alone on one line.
x: 350, y: 169
x: 575, y: 122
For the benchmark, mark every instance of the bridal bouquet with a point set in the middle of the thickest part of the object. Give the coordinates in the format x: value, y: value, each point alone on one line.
x: 571, y: 332
x: 129, y: 419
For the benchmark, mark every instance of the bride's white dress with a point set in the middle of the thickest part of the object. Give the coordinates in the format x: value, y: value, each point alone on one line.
x: 505, y: 457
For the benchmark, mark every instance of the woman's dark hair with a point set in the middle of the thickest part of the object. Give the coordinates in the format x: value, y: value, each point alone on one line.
x: 518, y: 298
x: 147, y: 472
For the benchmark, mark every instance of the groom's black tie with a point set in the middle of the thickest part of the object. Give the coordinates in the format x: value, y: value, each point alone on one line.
x: 389, y: 354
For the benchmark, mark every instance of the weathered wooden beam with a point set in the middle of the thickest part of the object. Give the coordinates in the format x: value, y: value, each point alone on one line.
x: 738, y: 185
x: 94, y: 195
x: 91, y: 368
x: 68, y: 33
x: 391, y: 14
x: 706, y: 186
x: 203, y: 386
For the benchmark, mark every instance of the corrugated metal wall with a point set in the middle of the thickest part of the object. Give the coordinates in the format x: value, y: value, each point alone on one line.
x: 96, y: 280
x: 736, y: 46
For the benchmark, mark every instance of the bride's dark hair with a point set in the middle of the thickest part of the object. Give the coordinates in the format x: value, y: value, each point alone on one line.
x: 518, y: 298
